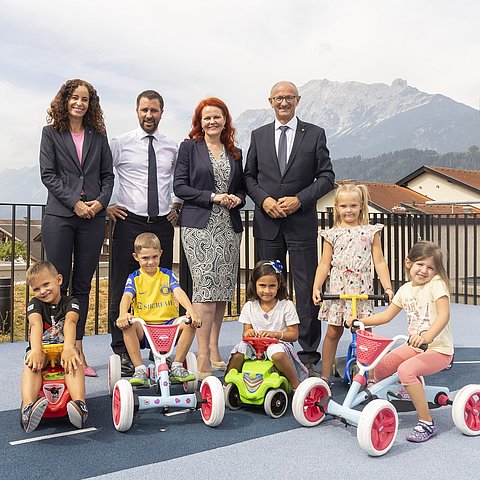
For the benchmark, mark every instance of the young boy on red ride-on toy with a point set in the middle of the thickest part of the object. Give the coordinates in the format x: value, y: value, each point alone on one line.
x: 52, y: 318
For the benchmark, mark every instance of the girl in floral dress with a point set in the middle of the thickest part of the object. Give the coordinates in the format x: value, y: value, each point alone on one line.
x: 348, y: 250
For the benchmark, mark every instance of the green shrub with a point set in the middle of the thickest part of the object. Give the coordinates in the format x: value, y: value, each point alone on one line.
x: 6, y: 251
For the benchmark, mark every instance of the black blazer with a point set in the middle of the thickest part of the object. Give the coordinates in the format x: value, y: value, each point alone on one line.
x: 308, y: 175
x: 65, y: 178
x: 194, y: 184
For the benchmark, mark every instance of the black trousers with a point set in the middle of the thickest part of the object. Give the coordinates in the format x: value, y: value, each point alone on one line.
x: 83, y: 238
x: 123, y: 263
x: 303, y: 256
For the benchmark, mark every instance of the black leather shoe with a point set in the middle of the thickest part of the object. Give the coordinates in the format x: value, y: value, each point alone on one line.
x: 127, y: 365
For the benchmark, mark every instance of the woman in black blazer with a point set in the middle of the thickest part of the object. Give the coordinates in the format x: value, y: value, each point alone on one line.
x: 76, y: 168
x: 208, y: 177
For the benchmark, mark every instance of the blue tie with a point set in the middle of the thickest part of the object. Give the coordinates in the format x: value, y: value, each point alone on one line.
x: 282, y: 149
x: 152, y: 201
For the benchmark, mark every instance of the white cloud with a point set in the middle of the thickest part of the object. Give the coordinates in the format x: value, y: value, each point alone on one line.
x: 232, y: 49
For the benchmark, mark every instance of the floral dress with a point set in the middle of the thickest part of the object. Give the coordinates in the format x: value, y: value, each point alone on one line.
x: 350, y: 272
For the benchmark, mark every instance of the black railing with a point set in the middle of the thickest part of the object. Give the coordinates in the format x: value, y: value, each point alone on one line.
x: 456, y: 234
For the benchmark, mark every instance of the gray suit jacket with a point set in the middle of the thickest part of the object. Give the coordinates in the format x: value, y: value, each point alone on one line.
x: 66, y: 179
x: 308, y: 175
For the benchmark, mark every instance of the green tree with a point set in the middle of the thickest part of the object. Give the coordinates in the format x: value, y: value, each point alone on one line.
x: 6, y: 250
x: 474, y: 150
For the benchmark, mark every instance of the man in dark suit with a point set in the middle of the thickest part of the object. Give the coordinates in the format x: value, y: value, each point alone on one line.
x: 288, y: 169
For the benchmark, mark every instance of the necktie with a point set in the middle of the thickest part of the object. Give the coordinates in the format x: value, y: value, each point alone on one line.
x: 282, y: 149
x: 152, y: 204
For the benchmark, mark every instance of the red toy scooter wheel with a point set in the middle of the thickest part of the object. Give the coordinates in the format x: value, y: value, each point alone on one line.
x: 377, y: 427
x: 466, y: 410
x: 305, y: 402
x: 213, y: 408
x: 122, y: 405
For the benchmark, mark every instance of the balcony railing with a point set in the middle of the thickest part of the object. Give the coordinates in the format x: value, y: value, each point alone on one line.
x: 456, y: 234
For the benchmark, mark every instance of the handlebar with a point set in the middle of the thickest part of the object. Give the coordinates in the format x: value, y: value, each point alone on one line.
x: 52, y: 351
x: 183, y: 319
x: 350, y: 296
x: 178, y: 320
x: 260, y: 344
x: 260, y: 340
x: 358, y: 325
x: 353, y: 297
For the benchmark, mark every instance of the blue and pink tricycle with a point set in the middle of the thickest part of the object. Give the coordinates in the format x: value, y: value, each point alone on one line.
x: 377, y: 422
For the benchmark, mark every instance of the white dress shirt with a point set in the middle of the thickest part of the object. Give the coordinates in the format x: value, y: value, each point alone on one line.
x: 292, y: 124
x: 130, y: 160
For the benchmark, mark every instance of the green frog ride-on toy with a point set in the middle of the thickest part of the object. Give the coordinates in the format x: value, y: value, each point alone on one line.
x: 259, y: 382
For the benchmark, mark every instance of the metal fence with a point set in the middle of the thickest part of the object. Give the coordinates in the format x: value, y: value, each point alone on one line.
x: 456, y: 234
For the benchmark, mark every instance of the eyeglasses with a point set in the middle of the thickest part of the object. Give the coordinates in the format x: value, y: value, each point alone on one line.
x: 287, y: 98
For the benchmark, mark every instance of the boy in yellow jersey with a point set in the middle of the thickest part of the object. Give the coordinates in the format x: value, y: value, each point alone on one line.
x: 151, y: 291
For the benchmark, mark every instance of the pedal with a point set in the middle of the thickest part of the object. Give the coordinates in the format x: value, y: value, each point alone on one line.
x: 394, y: 395
x: 178, y: 412
x: 179, y: 382
x: 401, y: 395
x: 343, y: 420
x: 322, y: 404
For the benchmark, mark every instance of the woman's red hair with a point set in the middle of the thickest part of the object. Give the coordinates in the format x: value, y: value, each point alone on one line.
x: 227, y: 136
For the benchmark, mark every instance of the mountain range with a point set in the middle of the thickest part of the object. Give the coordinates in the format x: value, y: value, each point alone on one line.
x: 361, y: 120
x: 371, y: 119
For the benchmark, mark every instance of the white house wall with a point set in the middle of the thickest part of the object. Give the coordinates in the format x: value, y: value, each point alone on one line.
x: 440, y: 189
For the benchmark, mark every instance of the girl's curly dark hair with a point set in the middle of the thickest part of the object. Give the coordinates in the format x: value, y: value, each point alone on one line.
x: 57, y: 114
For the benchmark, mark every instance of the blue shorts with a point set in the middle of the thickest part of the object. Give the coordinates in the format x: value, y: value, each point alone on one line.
x: 144, y: 342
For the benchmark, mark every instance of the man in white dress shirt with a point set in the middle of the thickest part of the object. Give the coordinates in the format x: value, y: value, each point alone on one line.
x: 131, y: 214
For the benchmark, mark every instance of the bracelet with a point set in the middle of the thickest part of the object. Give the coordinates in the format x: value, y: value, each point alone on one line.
x: 281, y: 336
x: 389, y: 288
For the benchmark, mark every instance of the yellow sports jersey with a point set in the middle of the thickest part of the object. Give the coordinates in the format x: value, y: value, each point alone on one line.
x: 152, y: 296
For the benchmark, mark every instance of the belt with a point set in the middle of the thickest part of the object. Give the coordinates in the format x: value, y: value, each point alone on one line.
x: 146, y: 219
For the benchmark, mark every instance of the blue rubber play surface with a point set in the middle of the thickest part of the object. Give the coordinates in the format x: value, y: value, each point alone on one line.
x: 182, y: 446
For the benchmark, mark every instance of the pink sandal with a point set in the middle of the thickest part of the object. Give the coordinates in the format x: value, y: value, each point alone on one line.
x: 90, y: 372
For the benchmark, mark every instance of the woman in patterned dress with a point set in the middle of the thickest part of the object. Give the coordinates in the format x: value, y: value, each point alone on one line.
x: 208, y: 177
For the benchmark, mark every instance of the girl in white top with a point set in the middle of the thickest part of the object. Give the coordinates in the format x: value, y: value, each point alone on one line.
x: 426, y: 301
x: 269, y: 313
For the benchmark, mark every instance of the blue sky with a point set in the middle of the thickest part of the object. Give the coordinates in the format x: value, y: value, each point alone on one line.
x: 234, y: 49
